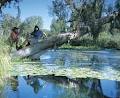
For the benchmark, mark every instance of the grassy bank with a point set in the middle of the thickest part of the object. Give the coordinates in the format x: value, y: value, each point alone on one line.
x: 5, y: 62
x: 105, y: 40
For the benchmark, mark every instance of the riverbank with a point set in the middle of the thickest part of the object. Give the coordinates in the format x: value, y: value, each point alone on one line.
x: 105, y: 41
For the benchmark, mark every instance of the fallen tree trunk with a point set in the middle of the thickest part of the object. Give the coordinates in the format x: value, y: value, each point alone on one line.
x: 58, y: 40
x: 50, y: 42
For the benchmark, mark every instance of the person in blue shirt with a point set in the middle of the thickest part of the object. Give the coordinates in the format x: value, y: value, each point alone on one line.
x: 34, y: 37
x: 37, y: 33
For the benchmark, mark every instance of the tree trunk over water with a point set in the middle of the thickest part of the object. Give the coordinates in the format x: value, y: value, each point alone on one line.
x: 59, y: 39
x: 51, y: 42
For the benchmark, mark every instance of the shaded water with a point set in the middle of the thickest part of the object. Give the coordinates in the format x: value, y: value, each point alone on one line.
x: 60, y: 87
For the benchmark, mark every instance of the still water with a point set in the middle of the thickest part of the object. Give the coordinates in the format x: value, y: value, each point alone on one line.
x: 67, y: 74
x: 76, y: 58
x: 60, y: 87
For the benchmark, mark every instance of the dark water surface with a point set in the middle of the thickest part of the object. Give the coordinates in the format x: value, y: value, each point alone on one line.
x: 60, y: 87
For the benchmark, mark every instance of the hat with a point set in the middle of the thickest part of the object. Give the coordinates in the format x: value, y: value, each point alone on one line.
x: 14, y: 28
x: 36, y: 26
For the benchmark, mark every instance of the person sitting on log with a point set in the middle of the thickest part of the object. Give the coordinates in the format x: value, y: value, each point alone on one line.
x: 14, y: 38
x: 34, y: 37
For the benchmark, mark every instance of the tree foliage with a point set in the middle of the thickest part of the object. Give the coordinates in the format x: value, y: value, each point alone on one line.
x: 58, y: 26
x: 3, y: 3
x: 8, y: 22
x: 29, y: 24
x: 84, y: 13
x: 59, y: 9
x: 117, y: 5
x: 60, y: 13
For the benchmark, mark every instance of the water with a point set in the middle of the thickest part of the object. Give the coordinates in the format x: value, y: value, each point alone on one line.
x: 69, y: 58
x: 67, y: 74
x: 104, y: 64
x: 60, y: 87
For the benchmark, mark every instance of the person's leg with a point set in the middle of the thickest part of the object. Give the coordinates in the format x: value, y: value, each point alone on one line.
x: 27, y: 41
x: 11, y: 45
x: 33, y: 41
x: 16, y: 43
x: 18, y: 47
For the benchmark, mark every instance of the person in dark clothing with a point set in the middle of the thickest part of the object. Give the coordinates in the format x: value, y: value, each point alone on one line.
x: 34, y: 37
x: 37, y: 33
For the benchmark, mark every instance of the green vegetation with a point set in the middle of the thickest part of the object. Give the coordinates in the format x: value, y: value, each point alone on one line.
x: 71, y: 16
x: 25, y: 69
x: 68, y: 46
x: 68, y: 16
x: 93, y: 22
x: 58, y: 26
x: 28, y: 25
x: 5, y: 62
x: 83, y: 17
x: 105, y: 40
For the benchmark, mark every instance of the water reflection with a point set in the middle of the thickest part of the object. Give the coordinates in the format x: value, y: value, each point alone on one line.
x: 34, y: 83
x: 60, y: 87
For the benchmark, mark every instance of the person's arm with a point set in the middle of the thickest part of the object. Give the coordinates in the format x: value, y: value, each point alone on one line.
x: 13, y: 36
x: 32, y: 33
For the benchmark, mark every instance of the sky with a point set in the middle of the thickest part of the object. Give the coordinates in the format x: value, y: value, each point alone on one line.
x: 36, y: 8
x: 33, y: 8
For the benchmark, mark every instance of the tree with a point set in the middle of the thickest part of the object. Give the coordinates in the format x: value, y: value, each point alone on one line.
x: 58, y: 26
x: 115, y: 23
x: 8, y: 22
x: 85, y: 12
x: 29, y: 24
x: 3, y: 3
x: 117, y: 5
x: 59, y: 9
x: 61, y: 13
x: 81, y: 12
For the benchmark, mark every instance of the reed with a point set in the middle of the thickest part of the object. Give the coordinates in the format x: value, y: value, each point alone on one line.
x: 5, y: 62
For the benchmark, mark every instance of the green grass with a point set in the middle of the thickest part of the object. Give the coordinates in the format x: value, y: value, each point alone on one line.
x: 106, y: 40
x: 68, y: 46
x: 5, y: 62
